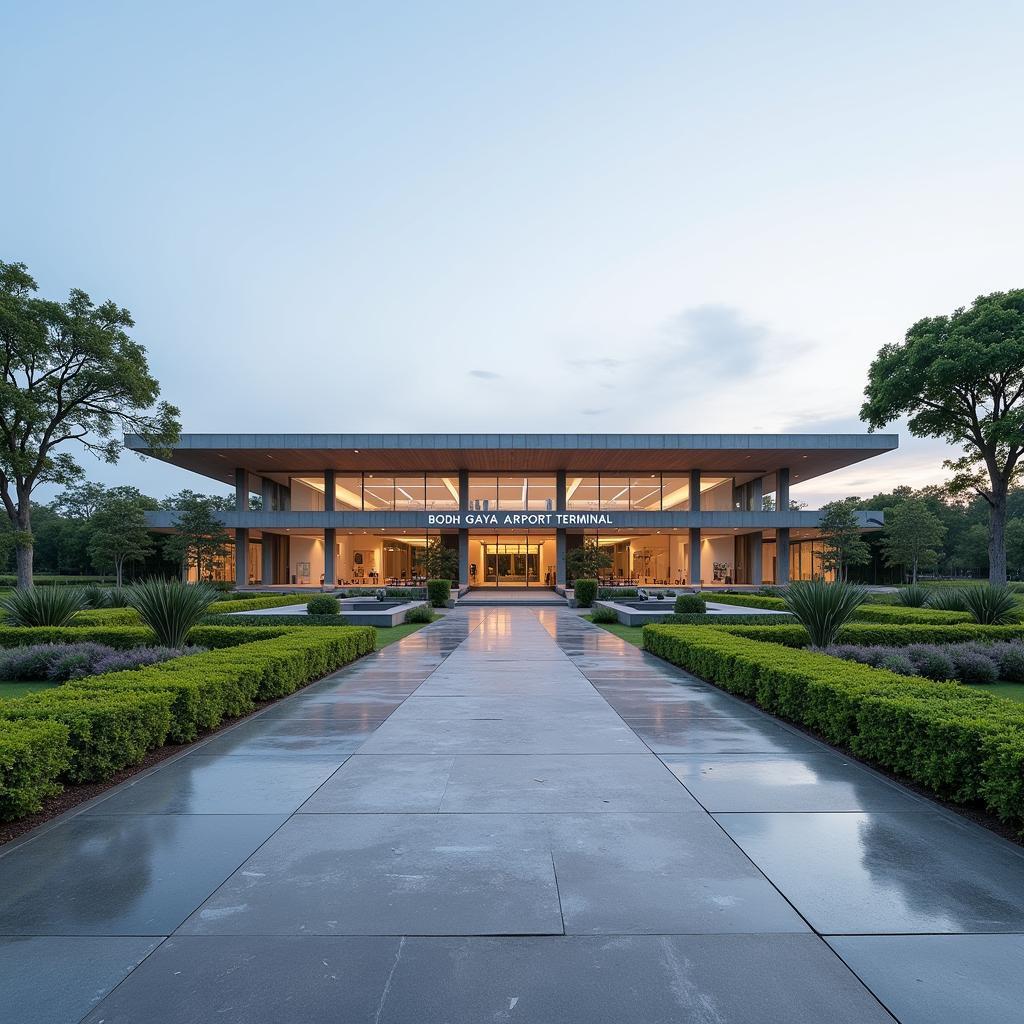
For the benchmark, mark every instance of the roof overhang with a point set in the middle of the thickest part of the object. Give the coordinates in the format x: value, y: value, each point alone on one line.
x: 807, y: 455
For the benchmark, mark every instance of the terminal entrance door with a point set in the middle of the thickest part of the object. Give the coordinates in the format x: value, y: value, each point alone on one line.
x: 513, y: 561
x: 512, y: 565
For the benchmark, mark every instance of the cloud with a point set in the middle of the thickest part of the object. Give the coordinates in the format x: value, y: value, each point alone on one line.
x: 597, y: 363
x: 716, y: 337
x: 485, y: 374
x: 594, y: 412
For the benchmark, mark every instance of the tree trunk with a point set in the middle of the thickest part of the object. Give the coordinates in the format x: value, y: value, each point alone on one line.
x: 118, y: 570
x: 23, y: 544
x: 913, y: 577
x: 997, y: 539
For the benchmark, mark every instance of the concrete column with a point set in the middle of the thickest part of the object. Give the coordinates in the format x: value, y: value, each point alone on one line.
x: 756, y: 560
x: 268, y: 491
x: 694, y: 577
x: 330, y: 554
x: 464, y: 491
x: 241, y: 557
x: 560, y: 498
x: 268, y: 559
x: 328, y: 490
x: 756, y: 494
x: 463, y: 552
x: 560, y: 546
x: 241, y: 490
x: 782, y: 493
x: 694, y: 490
x: 782, y: 556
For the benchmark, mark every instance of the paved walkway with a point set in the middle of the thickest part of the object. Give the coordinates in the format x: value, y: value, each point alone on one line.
x: 511, y: 816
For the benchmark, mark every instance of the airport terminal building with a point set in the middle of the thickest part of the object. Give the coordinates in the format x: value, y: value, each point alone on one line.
x: 672, y: 509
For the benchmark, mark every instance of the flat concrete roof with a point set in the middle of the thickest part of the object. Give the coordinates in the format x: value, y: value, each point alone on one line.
x: 808, y: 455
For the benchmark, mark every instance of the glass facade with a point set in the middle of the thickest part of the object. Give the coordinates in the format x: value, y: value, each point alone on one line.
x: 519, y: 493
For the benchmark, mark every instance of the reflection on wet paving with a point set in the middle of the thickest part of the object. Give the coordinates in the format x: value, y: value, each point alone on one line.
x: 569, y: 817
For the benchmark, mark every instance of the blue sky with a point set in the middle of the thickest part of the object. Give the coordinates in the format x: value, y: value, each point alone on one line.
x: 579, y: 216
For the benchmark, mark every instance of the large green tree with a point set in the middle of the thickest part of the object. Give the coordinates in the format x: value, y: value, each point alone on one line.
x: 912, y: 537
x: 961, y: 378
x: 69, y: 373
x: 200, y: 539
x: 440, y: 562
x: 118, y: 532
x: 842, y: 544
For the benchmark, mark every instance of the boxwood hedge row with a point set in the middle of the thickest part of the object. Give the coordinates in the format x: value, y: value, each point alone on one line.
x: 869, y: 634
x: 89, y: 729
x: 865, y: 613
x: 128, y: 616
x: 964, y: 744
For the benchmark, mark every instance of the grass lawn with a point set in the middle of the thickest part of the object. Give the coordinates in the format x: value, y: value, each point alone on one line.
x: 389, y: 634
x: 631, y: 634
x: 17, y: 689
x: 1011, y: 691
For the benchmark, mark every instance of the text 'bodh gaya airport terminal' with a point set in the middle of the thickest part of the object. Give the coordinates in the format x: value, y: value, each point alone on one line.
x: 672, y: 509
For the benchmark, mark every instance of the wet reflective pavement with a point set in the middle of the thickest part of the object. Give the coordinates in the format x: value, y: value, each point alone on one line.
x: 511, y: 815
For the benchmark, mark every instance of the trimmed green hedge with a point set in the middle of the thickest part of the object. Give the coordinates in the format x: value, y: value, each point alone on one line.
x: 893, y: 614
x: 964, y: 744
x: 130, y: 617
x: 120, y: 637
x: 108, y: 722
x: 868, y: 634
x: 302, y: 619
x: 33, y: 754
x: 106, y: 730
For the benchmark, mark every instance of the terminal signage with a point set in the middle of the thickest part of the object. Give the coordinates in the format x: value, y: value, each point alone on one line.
x: 505, y: 520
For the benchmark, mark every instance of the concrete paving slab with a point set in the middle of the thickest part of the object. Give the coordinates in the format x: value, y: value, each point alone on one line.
x: 941, y: 979
x: 124, y: 875
x: 391, y: 874
x: 784, y: 782
x: 58, y: 979
x: 878, y: 872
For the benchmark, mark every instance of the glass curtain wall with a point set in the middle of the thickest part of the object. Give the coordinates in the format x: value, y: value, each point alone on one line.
x: 519, y: 493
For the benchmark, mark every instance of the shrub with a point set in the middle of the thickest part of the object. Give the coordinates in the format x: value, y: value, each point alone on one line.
x: 947, y: 599
x: 274, y: 620
x: 62, y: 661
x: 107, y: 617
x: 121, y: 661
x: 823, y: 608
x: 898, y: 663
x: 865, y: 613
x: 931, y: 661
x: 106, y: 731
x: 605, y: 616
x: 33, y: 754
x: 959, y: 741
x: 585, y: 591
x: 914, y: 596
x: 323, y: 604
x: 421, y: 613
x: 972, y: 666
x: 170, y: 608
x: 1011, y: 663
x: 117, y: 597
x: 991, y: 606
x: 610, y: 593
x: 690, y: 604
x: 439, y: 592
x: 252, y: 604
x: 42, y: 606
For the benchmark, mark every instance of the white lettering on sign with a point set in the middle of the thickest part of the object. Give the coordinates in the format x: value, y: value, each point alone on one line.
x: 506, y: 519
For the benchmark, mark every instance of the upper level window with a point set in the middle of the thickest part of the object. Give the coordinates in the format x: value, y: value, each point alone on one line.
x: 348, y: 492
x: 716, y: 493
x: 614, y: 492
x: 582, y: 493
x: 378, y: 492
x: 442, y: 492
x: 675, y: 492
x: 410, y: 493
x: 307, y: 493
x: 645, y: 492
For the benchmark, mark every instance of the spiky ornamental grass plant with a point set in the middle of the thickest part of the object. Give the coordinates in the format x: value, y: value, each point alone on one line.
x: 991, y: 606
x: 170, y: 608
x: 42, y: 606
x: 914, y: 596
x: 948, y: 599
x: 823, y: 608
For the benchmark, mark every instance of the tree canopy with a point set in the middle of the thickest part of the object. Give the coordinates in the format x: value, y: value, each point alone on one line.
x: 841, y: 542
x: 961, y: 378
x: 70, y: 374
x: 586, y: 561
x: 912, y: 536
